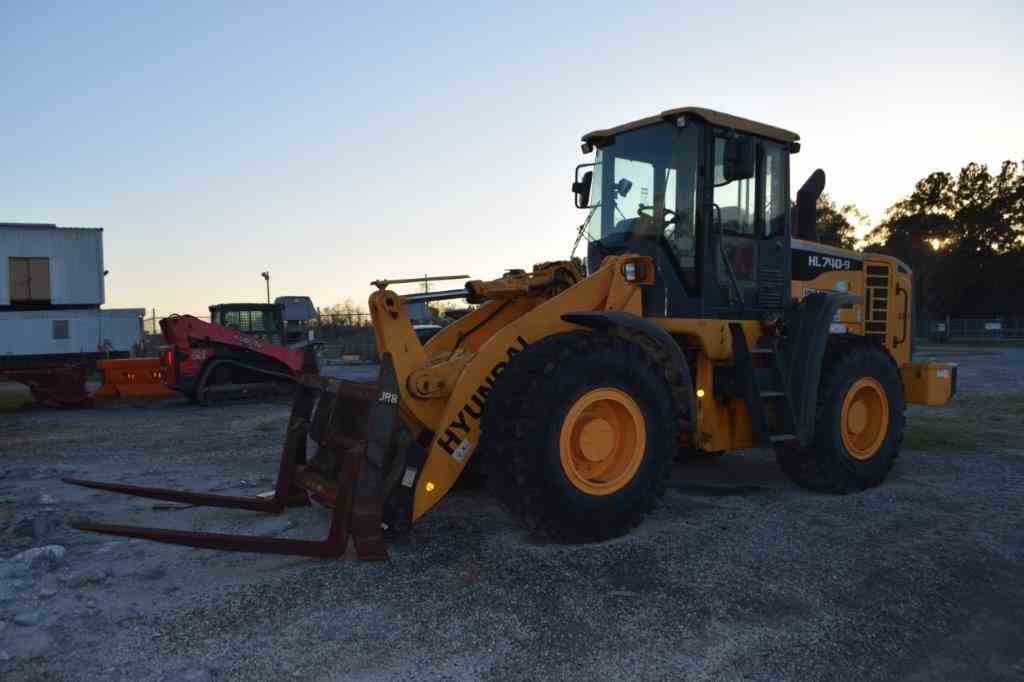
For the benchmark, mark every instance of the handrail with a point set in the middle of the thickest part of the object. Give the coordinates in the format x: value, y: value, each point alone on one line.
x: 906, y: 309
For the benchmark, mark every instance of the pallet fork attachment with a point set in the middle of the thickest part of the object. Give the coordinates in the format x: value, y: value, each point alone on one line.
x: 354, y: 425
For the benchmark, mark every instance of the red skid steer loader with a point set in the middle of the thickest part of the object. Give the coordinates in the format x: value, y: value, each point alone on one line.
x: 240, y: 353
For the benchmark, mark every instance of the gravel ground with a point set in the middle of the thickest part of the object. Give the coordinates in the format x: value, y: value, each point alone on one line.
x: 739, y: 574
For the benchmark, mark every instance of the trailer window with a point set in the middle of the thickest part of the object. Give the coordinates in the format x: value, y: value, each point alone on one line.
x: 29, y: 280
x: 60, y: 329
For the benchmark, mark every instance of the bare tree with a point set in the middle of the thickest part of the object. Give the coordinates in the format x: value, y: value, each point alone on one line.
x: 347, y: 313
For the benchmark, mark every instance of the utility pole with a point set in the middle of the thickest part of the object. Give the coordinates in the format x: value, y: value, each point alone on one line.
x: 266, y: 276
x: 154, y: 320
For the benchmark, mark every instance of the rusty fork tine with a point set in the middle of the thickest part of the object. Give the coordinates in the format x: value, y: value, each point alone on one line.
x: 331, y: 547
x: 185, y: 496
x: 358, y: 498
x: 284, y: 493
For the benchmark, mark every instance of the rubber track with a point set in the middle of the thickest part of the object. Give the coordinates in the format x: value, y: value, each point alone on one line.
x: 281, y: 377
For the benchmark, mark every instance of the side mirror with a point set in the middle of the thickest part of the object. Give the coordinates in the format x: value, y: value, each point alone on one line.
x: 739, y: 160
x: 581, y: 188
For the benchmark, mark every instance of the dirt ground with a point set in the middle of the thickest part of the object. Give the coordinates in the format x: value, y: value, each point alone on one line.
x: 738, y: 575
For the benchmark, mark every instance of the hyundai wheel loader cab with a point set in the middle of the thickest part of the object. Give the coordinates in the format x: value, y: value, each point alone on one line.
x: 704, y: 194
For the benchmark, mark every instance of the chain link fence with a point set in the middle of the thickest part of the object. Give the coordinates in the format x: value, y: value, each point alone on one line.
x: 982, y: 328
x: 343, y: 335
x: 327, y: 324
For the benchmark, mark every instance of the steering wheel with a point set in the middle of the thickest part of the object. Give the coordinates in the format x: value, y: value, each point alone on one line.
x: 668, y: 221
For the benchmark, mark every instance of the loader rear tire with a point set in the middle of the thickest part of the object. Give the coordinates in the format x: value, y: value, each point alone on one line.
x: 860, y: 386
x: 580, y: 433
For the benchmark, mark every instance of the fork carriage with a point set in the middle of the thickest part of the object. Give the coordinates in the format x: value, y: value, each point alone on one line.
x: 353, y: 428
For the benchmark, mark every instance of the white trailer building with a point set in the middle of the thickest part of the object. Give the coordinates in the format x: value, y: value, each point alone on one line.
x: 51, y: 293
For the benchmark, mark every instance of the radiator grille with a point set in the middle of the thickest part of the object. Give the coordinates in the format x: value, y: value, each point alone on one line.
x: 770, y: 288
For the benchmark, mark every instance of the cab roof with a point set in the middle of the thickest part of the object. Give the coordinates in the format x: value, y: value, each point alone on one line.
x: 716, y: 118
x: 243, y: 306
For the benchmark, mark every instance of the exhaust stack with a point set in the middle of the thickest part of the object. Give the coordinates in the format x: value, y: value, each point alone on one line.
x: 807, y: 205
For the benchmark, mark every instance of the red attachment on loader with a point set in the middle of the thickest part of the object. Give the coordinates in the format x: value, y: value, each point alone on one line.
x: 355, y: 432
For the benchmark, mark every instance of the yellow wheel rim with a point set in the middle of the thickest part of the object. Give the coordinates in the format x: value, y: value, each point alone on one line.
x: 865, y: 418
x: 602, y: 441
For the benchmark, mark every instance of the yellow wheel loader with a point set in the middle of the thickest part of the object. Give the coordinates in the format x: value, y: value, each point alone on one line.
x: 707, y: 318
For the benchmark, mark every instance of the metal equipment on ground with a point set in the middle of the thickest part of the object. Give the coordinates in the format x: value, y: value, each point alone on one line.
x: 701, y: 324
x: 132, y: 378
x: 53, y: 386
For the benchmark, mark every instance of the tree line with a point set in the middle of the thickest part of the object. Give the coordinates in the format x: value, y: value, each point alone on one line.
x: 962, y: 235
x: 348, y: 313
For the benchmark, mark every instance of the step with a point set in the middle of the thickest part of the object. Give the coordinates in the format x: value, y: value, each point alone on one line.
x: 767, y: 378
x: 772, y: 394
x: 781, y: 437
x: 762, y: 351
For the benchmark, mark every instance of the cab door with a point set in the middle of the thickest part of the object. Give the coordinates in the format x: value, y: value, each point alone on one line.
x: 746, y: 219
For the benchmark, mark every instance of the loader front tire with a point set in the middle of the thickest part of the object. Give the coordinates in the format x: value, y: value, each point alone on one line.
x: 580, y: 434
x: 858, y: 429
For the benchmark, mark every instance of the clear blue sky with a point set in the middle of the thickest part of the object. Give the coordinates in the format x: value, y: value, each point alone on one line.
x: 333, y: 144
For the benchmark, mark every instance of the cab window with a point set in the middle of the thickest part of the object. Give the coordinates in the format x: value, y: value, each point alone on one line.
x: 734, y: 208
x: 633, y: 189
x: 776, y: 194
x: 256, y: 321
